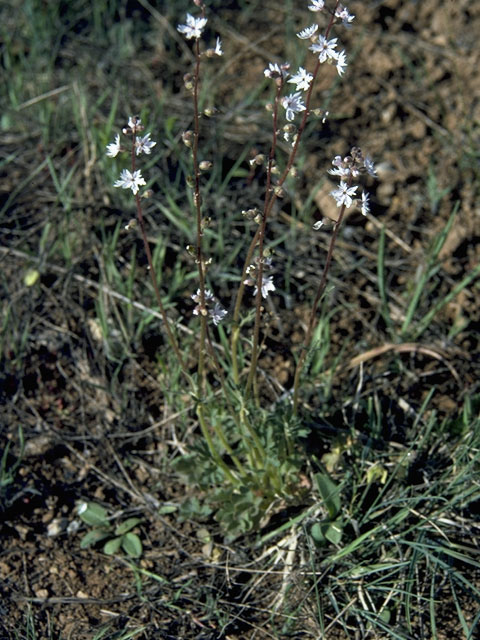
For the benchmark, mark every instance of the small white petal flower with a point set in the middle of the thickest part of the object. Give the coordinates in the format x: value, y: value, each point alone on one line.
x: 134, y: 122
x: 193, y: 28
x: 276, y: 71
x: 341, y: 63
x: 343, y: 195
x: 218, y: 313
x: 344, y: 15
x: 318, y: 225
x: 365, y: 208
x: 114, y: 148
x: 317, y: 5
x: 293, y: 104
x: 267, y: 286
x: 218, y: 48
x: 340, y: 171
x: 129, y: 180
x: 325, y: 48
x: 144, y: 145
x: 370, y: 167
x: 302, y: 79
x: 308, y: 32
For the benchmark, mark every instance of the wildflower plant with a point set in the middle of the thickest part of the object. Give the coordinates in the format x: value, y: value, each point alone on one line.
x: 251, y: 448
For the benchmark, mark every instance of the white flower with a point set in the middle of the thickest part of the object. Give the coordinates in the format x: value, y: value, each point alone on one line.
x: 370, y: 167
x: 341, y: 62
x: 267, y: 286
x: 302, y: 79
x: 293, y: 104
x: 275, y: 71
x: 344, y: 15
x: 134, y: 122
x: 114, y: 148
x: 218, y: 48
x: 365, y: 208
x: 317, y: 5
x: 343, y: 195
x: 218, y: 313
x: 325, y: 48
x: 144, y: 145
x: 343, y: 172
x: 193, y: 28
x: 308, y: 32
x: 318, y: 225
x: 129, y: 180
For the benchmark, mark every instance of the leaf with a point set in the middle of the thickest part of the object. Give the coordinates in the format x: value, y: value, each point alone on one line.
x: 127, y: 525
x: 132, y: 545
x: 166, y: 509
x: 94, y: 515
x: 92, y: 537
x: 334, y: 532
x: 329, y: 492
x: 112, y: 546
x: 317, y: 533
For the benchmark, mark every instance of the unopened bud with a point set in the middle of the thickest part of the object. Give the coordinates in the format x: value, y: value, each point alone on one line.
x: 210, y: 111
x: 269, y: 106
x: 250, y: 214
x: 293, y: 172
x: 259, y: 159
x: 188, y: 81
x: 187, y: 137
x: 131, y: 225
x: 190, y: 180
x: 206, y: 223
x: 290, y: 128
x: 191, y: 250
x: 205, y: 165
x: 148, y: 193
x: 278, y: 191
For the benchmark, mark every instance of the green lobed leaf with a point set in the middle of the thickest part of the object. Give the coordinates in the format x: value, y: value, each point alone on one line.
x: 132, y: 545
x: 94, y: 515
x: 126, y: 526
x: 112, y: 546
x: 92, y: 537
x: 329, y: 492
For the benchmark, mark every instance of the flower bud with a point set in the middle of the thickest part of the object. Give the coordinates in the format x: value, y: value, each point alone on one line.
x: 250, y: 214
x: 210, y: 111
x: 205, y: 165
x: 187, y: 137
x: 188, y: 81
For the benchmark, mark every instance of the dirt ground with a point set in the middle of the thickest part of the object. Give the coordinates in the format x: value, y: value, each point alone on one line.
x: 411, y: 99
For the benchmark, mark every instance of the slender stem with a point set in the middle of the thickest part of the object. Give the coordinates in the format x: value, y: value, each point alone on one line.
x: 199, y: 223
x: 153, y: 276
x: 313, y: 312
x: 261, y: 240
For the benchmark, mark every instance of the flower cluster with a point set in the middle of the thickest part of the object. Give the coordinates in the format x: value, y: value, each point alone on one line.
x: 321, y: 45
x: 267, y: 281
x: 131, y: 179
x: 212, y: 307
x: 194, y: 28
x: 349, y: 168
